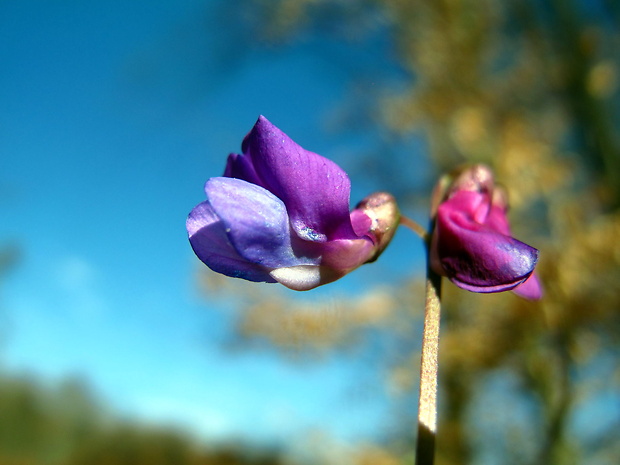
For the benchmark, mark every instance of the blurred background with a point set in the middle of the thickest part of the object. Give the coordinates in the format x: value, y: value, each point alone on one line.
x: 118, y: 347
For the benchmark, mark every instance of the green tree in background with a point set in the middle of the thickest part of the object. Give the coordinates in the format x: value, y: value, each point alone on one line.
x: 65, y: 425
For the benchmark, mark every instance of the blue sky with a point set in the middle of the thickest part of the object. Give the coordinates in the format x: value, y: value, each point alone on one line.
x: 112, y: 117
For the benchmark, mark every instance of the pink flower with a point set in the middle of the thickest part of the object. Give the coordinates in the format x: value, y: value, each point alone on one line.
x: 471, y: 243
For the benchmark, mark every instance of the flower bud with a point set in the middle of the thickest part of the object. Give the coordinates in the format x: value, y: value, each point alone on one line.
x: 384, y: 215
x: 471, y: 242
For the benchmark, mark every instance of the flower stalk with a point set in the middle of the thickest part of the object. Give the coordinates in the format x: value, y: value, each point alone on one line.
x: 427, y: 404
x: 429, y: 363
x: 415, y: 227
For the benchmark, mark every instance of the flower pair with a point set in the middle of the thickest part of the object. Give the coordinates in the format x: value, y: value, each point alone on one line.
x: 281, y: 214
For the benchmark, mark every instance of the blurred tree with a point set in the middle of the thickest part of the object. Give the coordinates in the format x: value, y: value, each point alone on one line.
x: 530, y: 88
x: 66, y: 426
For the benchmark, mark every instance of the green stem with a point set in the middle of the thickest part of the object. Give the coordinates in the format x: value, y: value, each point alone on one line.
x: 427, y: 406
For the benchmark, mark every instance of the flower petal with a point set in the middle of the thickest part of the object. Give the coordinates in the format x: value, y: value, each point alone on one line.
x: 383, y: 217
x: 530, y: 289
x: 210, y: 243
x: 475, y: 256
x: 497, y: 218
x: 305, y: 277
x: 255, y: 222
x: 348, y: 254
x: 314, y: 189
x: 240, y: 167
x: 360, y: 221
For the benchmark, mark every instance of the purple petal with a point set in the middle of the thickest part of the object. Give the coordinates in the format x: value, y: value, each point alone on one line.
x: 314, y: 189
x: 255, y: 222
x: 476, y: 256
x: 210, y: 243
x: 240, y: 167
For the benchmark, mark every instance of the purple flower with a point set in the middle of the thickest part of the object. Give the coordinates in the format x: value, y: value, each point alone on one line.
x: 281, y: 214
x: 471, y: 242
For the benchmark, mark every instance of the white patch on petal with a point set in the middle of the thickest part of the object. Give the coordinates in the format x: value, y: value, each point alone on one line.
x: 298, y: 278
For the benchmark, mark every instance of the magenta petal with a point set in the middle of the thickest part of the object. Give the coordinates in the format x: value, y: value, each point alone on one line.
x: 530, y: 289
x: 361, y: 222
x: 347, y: 254
x: 210, y: 243
x: 314, y: 189
x: 497, y: 220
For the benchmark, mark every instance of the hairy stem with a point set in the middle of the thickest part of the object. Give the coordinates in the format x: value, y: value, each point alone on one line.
x: 427, y: 406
